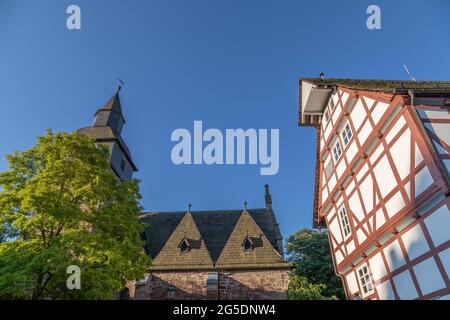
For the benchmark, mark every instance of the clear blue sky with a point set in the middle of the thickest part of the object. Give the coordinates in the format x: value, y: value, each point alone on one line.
x: 229, y: 63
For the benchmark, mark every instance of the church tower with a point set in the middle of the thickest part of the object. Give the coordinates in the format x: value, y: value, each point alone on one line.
x: 107, y: 129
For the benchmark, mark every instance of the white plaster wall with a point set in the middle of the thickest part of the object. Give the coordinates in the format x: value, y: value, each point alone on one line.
x: 339, y: 257
x: 395, y: 204
x: 350, y: 188
x: 380, y: 219
x: 445, y: 259
x: 379, y: 111
x: 442, y: 130
x: 340, y: 169
x: 385, y: 291
x: 433, y: 114
x: 366, y: 188
x: 415, y: 242
x: 361, y: 172
x: 377, y: 266
x: 352, y: 283
x: 336, y: 113
x: 350, y: 247
x: 423, y: 180
x: 394, y: 255
x: 438, y: 225
x: 358, y: 114
x: 428, y: 276
x: 400, y: 153
x: 418, y: 158
x: 326, y: 133
x: 384, y: 176
x: 355, y: 206
x: 332, y: 182
x: 335, y: 230
x: 324, y: 194
x: 361, y: 236
x: 395, y: 129
x: 365, y: 132
x: 351, y: 151
x: 335, y: 98
x: 405, y: 286
x: 376, y: 154
x: 344, y: 98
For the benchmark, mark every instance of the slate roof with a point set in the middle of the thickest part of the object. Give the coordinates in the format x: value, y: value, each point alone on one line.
x: 165, y: 230
x: 113, y: 104
x: 105, y: 133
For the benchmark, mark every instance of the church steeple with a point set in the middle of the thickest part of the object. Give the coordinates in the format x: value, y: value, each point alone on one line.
x: 110, y: 115
x: 107, y: 129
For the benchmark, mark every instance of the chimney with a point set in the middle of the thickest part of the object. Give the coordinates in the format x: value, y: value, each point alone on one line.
x: 268, y: 198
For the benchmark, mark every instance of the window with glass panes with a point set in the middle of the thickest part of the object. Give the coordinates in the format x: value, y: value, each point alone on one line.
x: 337, y: 151
x: 344, y: 222
x: 346, y: 134
x: 365, y: 281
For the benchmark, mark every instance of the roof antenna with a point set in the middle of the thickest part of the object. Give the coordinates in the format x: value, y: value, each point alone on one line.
x: 322, y: 76
x: 122, y: 84
x: 409, y: 73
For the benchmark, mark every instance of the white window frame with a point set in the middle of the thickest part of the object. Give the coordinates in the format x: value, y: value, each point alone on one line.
x: 345, y: 222
x: 365, y: 280
x: 337, y: 148
x: 346, y: 134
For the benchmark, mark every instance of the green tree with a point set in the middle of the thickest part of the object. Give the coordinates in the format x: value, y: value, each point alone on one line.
x: 309, y: 251
x: 301, y: 289
x: 63, y: 206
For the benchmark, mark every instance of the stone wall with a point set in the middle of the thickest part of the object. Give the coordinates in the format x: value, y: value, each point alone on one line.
x: 236, y: 284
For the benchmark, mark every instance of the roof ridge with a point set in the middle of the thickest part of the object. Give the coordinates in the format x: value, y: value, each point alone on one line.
x: 201, y: 211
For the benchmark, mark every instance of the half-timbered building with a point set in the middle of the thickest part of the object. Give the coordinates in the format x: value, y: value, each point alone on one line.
x: 382, y: 183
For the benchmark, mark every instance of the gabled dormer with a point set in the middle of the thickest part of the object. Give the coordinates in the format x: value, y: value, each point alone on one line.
x: 185, y: 246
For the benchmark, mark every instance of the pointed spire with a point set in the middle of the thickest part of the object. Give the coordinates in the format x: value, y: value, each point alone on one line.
x: 110, y: 115
x: 113, y: 104
x: 245, y: 205
x: 189, y: 207
x: 268, y: 197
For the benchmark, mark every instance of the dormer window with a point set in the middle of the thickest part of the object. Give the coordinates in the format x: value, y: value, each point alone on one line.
x: 248, y: 245
x: 184, y: 246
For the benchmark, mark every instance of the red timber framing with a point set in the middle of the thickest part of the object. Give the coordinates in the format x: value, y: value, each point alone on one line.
x: 377, y: 147
x: 433, y: 253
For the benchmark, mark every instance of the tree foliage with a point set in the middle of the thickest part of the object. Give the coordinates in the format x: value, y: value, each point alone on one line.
x: 61, y: 205
x: 301, y: 289
x: 309, y: 251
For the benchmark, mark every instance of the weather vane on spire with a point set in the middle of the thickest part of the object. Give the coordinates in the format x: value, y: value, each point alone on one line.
x: 121, y: 84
